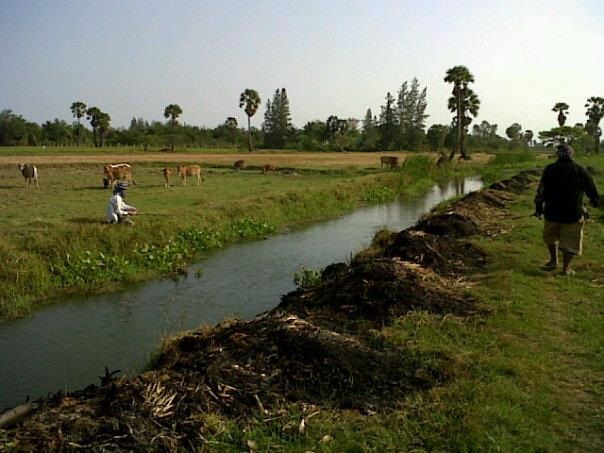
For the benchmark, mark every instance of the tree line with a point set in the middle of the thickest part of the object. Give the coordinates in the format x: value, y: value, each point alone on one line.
x: 400, y: 125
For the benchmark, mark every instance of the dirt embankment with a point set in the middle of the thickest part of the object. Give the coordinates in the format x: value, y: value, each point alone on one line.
x: 319, y: 346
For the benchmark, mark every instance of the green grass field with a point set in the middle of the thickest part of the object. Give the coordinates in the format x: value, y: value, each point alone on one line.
x: 53, y: 240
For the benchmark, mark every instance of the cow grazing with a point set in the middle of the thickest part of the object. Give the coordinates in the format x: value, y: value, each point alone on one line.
x: 116, y: 172
x: 268, y: 168
x: 239, y: 164
x: 189, y: 170
x: 167, y: 172
x: 391, y: 161
x: 30, y: 174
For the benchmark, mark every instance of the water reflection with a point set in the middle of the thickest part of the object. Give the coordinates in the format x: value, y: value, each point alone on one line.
x: 66, y: 346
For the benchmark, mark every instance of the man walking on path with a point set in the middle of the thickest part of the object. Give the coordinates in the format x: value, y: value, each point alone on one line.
x: 560, y: 198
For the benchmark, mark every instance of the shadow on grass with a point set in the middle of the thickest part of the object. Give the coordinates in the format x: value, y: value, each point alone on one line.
x: 87, y: 221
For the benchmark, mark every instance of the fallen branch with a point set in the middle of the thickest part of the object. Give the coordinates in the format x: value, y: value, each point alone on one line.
x: 12, y: 416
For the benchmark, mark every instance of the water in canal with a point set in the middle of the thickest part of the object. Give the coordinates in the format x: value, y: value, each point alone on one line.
x: 66, y: 346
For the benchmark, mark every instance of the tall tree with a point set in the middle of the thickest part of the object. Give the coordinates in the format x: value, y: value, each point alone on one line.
x: 484, y: 130
x: 595, y: 112
x: 231, y: 125
x: 251, y: 100
x: 463, y: 101
x: 562, y: 109
x: 277, y: 124
x: 369, y: 133
x: 411, y: 107
x: 513, y: 132
x: 389, y: 124
x: 565, y: 134
x: 93, y: 114
x: 333, y: 126
x: 103, y: 127
x: 172, y: 112
x: 436, y: 136
x: 78, y: 110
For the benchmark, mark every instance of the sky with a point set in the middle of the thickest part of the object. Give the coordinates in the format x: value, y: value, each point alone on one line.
x: 133, y: 58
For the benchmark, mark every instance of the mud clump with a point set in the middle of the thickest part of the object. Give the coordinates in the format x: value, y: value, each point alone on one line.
x: 452, y: 224
x: 376, y: 291
x: 280, y: 358
x: 444, y: 256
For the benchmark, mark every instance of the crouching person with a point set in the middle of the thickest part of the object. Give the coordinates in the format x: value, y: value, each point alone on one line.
x: 117, y: 210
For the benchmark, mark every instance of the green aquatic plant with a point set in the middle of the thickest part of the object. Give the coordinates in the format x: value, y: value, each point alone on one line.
x: 92, y: 268
x: 379, y: 194
x: 248, y: 227
x: 307, y: 277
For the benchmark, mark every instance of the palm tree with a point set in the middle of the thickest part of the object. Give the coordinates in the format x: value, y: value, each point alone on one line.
x: 100, y: 125
x: 595, y: 112
x: 173, y: 111
x: 251, y: 100
x: 78, y: 110
x: 463, y: 100
x: 562, y: 109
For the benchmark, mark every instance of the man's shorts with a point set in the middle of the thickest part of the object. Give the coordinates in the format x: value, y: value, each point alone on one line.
x: 569, y: 236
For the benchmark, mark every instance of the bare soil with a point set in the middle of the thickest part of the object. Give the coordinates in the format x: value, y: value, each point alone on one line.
x: 255, y: 159
x: 317, y: 347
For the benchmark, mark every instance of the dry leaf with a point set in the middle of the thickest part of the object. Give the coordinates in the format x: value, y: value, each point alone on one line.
x: 251, y: 445
x: 326, y: 439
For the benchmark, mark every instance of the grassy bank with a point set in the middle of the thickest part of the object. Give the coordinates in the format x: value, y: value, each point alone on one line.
x: 54, y: 243
x: 525, y: 372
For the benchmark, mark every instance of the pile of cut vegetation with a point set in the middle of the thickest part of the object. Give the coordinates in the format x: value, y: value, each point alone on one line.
x: 321, y: 346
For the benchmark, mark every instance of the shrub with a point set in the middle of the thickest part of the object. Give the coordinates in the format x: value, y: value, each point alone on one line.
x: 379, y: 194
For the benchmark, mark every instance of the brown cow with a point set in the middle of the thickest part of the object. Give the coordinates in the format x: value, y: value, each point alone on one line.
x: 167, y: 172
x: 239, y: 164
x: 442, y: 160
x: 391, y: 161
x: 30, y: 174
x: 266, y: 168
x: 115, y: 172
x: 189, y: 170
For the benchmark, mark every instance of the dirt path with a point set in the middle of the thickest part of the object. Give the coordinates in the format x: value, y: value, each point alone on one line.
x: 303, y: 159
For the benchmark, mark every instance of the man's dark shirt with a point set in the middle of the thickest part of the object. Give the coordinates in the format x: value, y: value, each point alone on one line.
x: 562, y: 186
